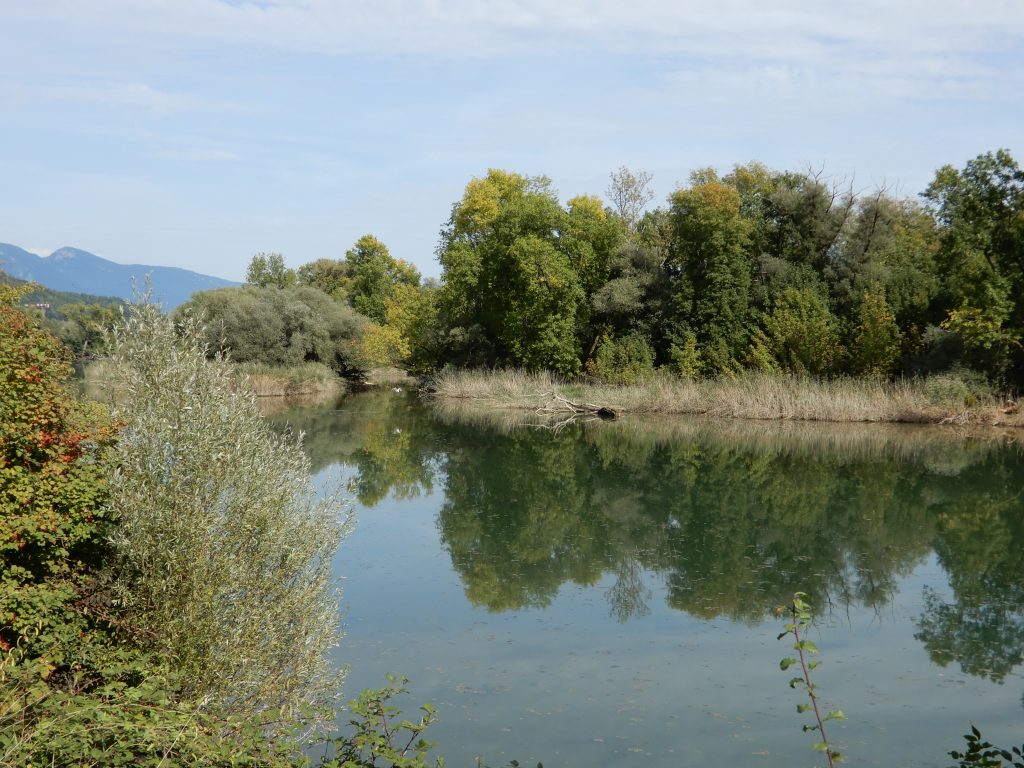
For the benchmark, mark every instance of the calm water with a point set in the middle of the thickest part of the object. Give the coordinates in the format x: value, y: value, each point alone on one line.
x: 603, y: 594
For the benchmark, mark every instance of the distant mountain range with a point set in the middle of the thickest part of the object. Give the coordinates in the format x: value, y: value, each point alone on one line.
x: 71, y: 269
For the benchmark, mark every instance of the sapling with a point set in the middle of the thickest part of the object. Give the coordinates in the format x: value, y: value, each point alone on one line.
x: 799, y: 611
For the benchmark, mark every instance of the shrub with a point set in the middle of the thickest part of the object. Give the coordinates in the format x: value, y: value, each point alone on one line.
x: 280, y: 326
x: 622, y: 361
x: 958, y: 389
x: 223, y: 548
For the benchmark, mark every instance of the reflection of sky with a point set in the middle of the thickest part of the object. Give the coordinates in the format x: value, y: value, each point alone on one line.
x: 570, y: 685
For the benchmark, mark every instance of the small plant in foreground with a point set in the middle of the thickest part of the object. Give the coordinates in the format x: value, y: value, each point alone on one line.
x: 799, y: 611
x: 982, y: 754
x: 381, y: 739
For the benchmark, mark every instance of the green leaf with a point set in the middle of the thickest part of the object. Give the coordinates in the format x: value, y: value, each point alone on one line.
x: 802, y: 707
x: 821, y: 746
x: 786, y: 663
x: 835, y: 714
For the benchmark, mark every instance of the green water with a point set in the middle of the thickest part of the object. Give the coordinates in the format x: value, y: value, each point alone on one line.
x: 603, y: 593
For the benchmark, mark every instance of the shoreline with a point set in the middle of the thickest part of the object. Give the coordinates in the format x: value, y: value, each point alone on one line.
x: 939, y: 400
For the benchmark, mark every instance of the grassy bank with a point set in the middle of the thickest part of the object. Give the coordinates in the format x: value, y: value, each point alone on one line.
x: 940, y: 399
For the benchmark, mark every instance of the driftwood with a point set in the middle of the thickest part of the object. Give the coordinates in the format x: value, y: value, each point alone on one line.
x: 559, y: 404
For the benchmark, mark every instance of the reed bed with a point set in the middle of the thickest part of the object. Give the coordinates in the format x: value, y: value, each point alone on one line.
x: 747, y: 396
x: 308, y: 379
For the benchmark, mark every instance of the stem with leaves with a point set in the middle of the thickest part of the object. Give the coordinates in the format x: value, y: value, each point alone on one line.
x: 800, y: 613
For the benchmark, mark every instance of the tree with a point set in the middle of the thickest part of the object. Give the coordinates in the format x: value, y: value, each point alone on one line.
x: 709, y: 250
x: 980, y: 211
x: 268, y: 270
x: 511, y: 292
x: 223, y: 548
x: 373, y: 276
x: 875, y: 349
x: 332, y: 276
x: 53, y: 521
x: 629, y: 192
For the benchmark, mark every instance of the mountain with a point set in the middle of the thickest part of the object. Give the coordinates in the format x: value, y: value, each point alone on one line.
x: 71, y: 269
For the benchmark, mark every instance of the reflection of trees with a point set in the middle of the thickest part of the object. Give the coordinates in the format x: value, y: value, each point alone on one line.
x: 391, y: 445
x: 981, y: 545
x: 733, y: 530
x: 733, y: 519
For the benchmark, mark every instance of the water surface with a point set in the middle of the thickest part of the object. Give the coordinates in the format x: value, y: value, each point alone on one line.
x: 604, y: 593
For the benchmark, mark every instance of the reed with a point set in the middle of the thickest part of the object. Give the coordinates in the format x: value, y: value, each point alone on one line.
x: 748, y: 396
x: 290, y: 381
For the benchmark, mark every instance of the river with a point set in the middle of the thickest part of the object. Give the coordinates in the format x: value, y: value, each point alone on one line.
x: 604, y: 593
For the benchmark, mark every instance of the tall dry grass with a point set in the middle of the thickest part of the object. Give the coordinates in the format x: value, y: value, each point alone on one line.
x: 308, y: 379
x: 748, y: 396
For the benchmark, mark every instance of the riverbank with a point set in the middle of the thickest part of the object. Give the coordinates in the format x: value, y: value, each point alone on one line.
x: 945, y: 399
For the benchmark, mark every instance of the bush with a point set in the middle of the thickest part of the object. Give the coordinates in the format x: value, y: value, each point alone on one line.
x: 622, y: 361
x: 958, y: 389
x: 223, y: 549
x: 280, y: 326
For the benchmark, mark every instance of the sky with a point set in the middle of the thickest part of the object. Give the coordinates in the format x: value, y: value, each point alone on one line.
x: 196, y: 133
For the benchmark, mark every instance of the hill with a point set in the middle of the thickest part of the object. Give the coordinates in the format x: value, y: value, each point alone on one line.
x: 72, y: 269
x: 52, y: 301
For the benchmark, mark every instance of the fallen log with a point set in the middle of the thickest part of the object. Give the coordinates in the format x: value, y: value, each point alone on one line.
x: 559, y: 404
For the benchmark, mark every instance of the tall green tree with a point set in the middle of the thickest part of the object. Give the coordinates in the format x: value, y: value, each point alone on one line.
x: 511, y: 292
x: 980, y: 210
x: 373, y: 274
x: 709, y: 254
x: 268, y: 270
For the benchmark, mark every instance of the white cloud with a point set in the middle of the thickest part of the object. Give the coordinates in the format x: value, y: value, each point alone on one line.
x: 801, y: 30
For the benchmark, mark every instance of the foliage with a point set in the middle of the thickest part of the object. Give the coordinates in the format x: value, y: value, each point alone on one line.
x: 622, y: 361
x: 800, y: 336
x: 709, y: 244
x: 280, y: 326
x: 77, y: 690
x: 53, y: 523
x: 984, y: 335
x: 800, y: 615
x: 267, y: 270
x: 983, y: 754
x: 374, y: 275
x: 876, y: 344
x: 980, y: 210
x: 408, y: 337
x: 629, y: 192
x: 332, y: 276
x: 131, y: 716
x: 228, y: 577
x: 381, y: 739
x: 957, y: 389
x: 514, y: 269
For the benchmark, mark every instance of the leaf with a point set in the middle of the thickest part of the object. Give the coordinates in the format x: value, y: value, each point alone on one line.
x: 786, y: 663
x: 821, y: 746
x: 835, y: 714
x: 802, y: 707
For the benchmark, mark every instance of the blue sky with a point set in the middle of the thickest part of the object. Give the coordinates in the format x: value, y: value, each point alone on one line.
x: 195, y: 133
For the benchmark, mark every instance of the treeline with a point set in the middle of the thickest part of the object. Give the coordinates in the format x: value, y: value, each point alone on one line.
x: 750, y: 269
